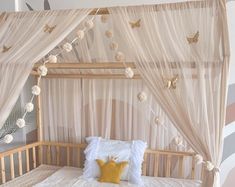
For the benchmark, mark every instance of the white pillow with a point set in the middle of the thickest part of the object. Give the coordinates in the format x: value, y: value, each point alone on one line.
x: 131, y: 151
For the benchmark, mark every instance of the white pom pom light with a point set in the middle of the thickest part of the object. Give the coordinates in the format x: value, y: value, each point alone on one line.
x: 158, y: 120
x: 89, y: 24
x: 129, y: 73
x: 113, y: 46
x: 20, y: 122
x: 67, y: 47
x: 109, y: 33
x: 29, y: 107
x: 36, y: 90
x: 178, y: 140
x: 209, y: 166
x: 80, y: 34
x: 104, y: 18
x: 42, y: 70
x: 142, y: 96
x: 8, y: 138
x: 119, y: 56
x: 52, y: 59
x: 198, y: 159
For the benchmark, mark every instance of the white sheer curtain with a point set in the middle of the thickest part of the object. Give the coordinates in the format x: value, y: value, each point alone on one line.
x: 23, y: 42
x: 161, y: 51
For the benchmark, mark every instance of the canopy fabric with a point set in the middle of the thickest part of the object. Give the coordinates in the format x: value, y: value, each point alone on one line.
x: 186, y: 44
x: 24, y: 41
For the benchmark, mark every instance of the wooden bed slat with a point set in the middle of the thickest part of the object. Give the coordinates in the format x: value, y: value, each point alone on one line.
x: 79, y: 157
x: 27, y: 160
x: 181, y: 167
x: 12, y: 166
x: 49, y: 154
x: 20, y: 163
x: 156, y: 163
x: 168, y: 166
x: 3, y: 171
x: 34, y: 158
x: 57, y: 155
x: 144, y: 172
x: 68, y: 156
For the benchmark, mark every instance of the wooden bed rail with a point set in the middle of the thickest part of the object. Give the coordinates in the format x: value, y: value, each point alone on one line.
x: 23, y: 159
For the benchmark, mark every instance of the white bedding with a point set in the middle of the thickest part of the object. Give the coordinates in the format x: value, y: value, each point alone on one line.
x: 72, y: 177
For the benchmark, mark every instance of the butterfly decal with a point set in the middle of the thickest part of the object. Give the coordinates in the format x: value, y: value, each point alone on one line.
x: 193, y: 39
x: 5, y: 49
x: 135, y: 24
x: 49, y: 29
x: 171, y: 83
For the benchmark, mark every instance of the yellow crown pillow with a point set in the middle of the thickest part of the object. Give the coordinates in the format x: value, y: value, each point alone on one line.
x: 111, y: 171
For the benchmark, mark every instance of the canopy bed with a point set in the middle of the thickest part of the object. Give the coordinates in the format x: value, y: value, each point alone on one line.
x: 181, y: 53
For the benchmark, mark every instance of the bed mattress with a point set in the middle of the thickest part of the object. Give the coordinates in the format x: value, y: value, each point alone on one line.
x: 47, y: 176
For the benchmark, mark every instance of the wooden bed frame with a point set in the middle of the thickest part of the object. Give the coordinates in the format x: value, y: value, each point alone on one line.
x: 28, y: 157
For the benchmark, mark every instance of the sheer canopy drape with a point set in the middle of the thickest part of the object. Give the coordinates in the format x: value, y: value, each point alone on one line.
x: 23, y: 42
x: 165, y: 46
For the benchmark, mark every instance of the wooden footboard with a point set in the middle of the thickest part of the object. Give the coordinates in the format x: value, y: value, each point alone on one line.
x: 21, y: 160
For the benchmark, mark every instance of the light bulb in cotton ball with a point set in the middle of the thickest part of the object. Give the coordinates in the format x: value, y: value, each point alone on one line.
x: 80, y: 34
x: 68, y: 47
x: 119, y: 56
x: 29, y: 107
x: 159, y: 120
x: 52, y: 59
x: 36, y: 90
x: 42, y: 70
x: 109, y: 34
x: 104, y: 18
x: 142, y: 96
x: 178, y: 140
x: 8, y: 138
x: 209, y: 166
x: 20, y: 122
x: 198, y: 159
x: 129, y: 73
x: 113, y: 46
x: 89, y: 24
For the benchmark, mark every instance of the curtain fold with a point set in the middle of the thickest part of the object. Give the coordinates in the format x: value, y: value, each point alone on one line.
x: 181, y: 52
x: 23, y: 42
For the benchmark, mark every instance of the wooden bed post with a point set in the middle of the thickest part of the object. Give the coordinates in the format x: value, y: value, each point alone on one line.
x: 39, y: 124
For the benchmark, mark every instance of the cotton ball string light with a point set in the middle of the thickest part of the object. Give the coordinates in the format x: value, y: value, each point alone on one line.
x: 104, y: 18
x: 109, y: 34
x: 89, y: 24
x: 29, y: 107
x: 20, y: 122
x: 67, y: 47
x: 52, y: 59
x: 119, y: 56
x: 42, y: 70
x: 8, y: 138
x: 209, y: 166
x: 158, y: 120
x: 113, y: 46
x: 142, y: 96
x: 80, y: 34
x: 178, y: 140
x: 198, y: 159
x: 129, y: 73
x: 36, y: 90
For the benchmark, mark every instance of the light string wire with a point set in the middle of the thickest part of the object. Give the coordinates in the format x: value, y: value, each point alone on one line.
x: 40, y: 74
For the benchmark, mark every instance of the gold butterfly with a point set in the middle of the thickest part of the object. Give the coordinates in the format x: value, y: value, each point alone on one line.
x: 193, y: 39
x: 135, y: 24
x: 5, y: 49
x: 49, y: 29
x: 171, y: 83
